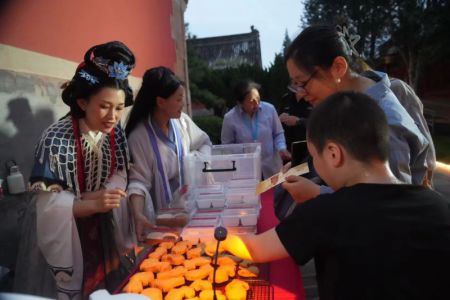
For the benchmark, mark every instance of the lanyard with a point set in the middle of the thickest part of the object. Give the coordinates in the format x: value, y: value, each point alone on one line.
x: 249, y: 125
x: 180, y: 152
x: 154, y: 144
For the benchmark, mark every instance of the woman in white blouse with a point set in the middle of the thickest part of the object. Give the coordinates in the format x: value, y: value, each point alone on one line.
x: 159, y: 136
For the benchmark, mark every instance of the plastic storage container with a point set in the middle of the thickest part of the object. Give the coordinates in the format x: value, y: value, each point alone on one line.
x: 239, y: 217
x: 226, y: 162
x: 207, y: 214
x: 209, y: 197
x: 203, y: 222
x: 241, y: 197
x: 197, y: 234
x: 211, y: 202
x: 209, y: 189
x: 242, y: 183
x: 173, y: 217
x: 242, y: 230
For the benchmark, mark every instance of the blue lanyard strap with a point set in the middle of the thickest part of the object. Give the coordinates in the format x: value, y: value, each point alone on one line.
x: 180, y: 152
x: 249, y: 125
x: 153, y: 142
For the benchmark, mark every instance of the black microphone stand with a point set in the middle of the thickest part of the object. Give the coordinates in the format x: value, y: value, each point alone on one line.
x: 220, y: 234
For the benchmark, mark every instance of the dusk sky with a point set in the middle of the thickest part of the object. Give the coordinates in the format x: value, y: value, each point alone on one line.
x: 271, y: 18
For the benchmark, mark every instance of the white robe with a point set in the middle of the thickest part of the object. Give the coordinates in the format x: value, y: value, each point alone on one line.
x: 51, y: 234
x: 145, y: 178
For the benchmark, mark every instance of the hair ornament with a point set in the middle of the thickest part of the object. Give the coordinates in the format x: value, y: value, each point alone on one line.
x: 90, y: 78
x: 118, y: 70
x: 101, y: 63
x: 350, y: 39
x: 114, y: 69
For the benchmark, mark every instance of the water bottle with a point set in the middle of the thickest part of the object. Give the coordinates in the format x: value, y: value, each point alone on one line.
x: 16, y: 184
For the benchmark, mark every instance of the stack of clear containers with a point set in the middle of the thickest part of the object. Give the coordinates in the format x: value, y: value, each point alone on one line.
x: 223, y: 186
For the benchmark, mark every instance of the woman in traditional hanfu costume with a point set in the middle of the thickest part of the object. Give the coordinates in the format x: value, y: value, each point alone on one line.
x: 79, y: 178
x: 159, y: 136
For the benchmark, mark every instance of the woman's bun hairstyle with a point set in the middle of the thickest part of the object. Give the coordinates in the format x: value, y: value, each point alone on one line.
x: 104, y: 65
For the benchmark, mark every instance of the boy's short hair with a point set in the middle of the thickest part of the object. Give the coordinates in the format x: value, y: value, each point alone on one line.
x: 353, y: 120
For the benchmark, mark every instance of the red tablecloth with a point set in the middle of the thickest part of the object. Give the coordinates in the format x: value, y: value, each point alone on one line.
x: 284, y: 274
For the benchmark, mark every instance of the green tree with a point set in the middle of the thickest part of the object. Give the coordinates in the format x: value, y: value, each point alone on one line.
x: 364, y: 16
x: 418, y: 28
x: 277, y: 79
x: 221, y: 82
x: 213, y: 88
x: 421, y: 30
x: 199, y: 75
x: 212, y: 125
x: 286, y: 42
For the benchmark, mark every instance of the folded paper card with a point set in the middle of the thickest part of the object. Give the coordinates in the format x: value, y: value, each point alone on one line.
x: 280, y: 178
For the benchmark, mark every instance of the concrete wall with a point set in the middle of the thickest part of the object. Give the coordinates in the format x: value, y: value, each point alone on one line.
x: 66, y: 29
x: 29, y: 101
x: 179, y: 35
x: 42, y: 42
x: 25, y: 113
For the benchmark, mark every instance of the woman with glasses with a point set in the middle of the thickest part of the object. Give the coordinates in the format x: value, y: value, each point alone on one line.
x: 253, y: 120
x: 321, y: 61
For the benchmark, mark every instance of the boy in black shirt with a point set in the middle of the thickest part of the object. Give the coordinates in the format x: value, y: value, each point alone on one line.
x: 373, y: 238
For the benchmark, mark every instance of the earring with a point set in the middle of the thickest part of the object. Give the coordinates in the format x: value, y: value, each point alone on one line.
x: 338, y: 80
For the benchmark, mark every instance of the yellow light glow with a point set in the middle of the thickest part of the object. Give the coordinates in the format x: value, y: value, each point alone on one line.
x: 237, y: 247
x: 442, y: 168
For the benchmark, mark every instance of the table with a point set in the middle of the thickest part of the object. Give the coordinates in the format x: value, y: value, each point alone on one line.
x: 284, y: 274
x: 12, y: 212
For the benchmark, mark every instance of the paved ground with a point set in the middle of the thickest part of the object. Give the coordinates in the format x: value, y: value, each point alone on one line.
x: 309, y: 281
x: 442, y: 184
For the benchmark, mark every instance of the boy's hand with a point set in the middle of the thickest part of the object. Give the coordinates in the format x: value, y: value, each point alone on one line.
x: 300, y: 188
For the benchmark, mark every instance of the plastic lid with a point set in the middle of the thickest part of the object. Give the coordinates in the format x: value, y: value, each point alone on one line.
x: 14, y: 169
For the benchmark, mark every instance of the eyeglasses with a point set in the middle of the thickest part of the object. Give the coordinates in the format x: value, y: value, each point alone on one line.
x: 297, y: 88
